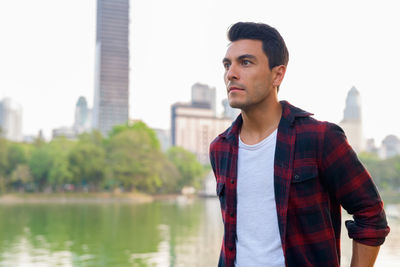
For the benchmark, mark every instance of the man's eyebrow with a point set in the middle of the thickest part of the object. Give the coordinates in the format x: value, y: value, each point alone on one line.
x: 224, y: 60
x: 241, y: 57
x: 246, y: 56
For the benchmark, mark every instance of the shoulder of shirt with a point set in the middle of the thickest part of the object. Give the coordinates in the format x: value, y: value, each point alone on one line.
x: 297, y: 117
x: 312, y: 123
x: 301, y: 118
x: 220, y: 138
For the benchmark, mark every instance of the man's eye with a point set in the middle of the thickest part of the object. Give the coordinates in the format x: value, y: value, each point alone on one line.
x: 226, y: 65
x: 246, y: 62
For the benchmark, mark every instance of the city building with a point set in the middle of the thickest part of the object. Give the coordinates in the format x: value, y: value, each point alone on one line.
x: 194, y: 125
x: 111, y: 96
x: 29, y: 138
x: 11, y: 120
x: 390, y: 147
x: 82, y: 121
x: 83, y: 116
x: 164, y: 136
x: 352, y: 121
x: 202, y: 94
x: 371, y: 147
x: 65, y: 131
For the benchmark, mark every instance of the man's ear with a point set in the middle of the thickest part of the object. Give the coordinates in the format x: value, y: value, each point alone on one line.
x: 279, y: 73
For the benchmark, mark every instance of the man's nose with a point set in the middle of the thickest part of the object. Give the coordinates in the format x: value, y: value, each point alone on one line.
x: 232, y: 73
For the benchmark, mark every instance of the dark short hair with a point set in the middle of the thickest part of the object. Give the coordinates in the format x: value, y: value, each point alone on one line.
x: 273, y: 44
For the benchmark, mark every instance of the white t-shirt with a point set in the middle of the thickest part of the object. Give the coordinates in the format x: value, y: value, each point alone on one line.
x: 258, y: 240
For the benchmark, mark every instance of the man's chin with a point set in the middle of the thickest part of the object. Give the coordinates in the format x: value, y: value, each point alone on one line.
x: 235, y: 104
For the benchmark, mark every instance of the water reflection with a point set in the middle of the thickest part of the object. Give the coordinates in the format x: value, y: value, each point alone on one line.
x: 159, y: 258
x: 24, y: 254
x: 160, y: 234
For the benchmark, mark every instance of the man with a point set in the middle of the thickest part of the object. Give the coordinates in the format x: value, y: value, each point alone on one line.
x: 283, y: 176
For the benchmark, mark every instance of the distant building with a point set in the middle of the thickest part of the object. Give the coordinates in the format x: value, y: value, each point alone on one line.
x: 194, y: 125
x: 111, y: 96
x: 82, y: 121
x: 83, y: 116
x: 352, y: 120
x: 67, y: 132
x: 164, y: 136
x: 229, y: 112
x: 371, y: 147
x: 29, y: 138
x: 390, y: 147
x: 11, y: 120
x: 202, y: 94
x: 40, y: 135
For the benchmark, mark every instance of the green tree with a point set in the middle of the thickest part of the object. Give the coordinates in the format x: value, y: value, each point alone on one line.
x: 49, y: 164
x: 136, y: 161
x: 88, y: 160
x: 138, y: 127
x: 21, y: 178
x: 385, y: 173
x: 16, y: 155
x: 3, y: 163
x: 95, y: 137
x: 191, y: 171
x: 169, y: 175
x: 60, y: 173
x: 392, y: 172
x: 3, y: 156
x: 40, y: 164
x: 131, y: 157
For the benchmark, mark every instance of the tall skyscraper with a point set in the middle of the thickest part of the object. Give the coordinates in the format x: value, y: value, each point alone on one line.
x: 83, y: 114
x: 111, y: 96
x: 11, y: 120
x: 352, y: 120
x: 352, y: 111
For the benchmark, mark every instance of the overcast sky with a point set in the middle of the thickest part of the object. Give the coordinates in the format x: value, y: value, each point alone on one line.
x: 47, y: 56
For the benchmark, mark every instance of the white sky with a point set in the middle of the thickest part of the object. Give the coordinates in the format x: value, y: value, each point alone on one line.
x: 47, y: 56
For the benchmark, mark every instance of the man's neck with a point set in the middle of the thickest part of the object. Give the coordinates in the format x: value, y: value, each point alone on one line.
x: 260, y: 122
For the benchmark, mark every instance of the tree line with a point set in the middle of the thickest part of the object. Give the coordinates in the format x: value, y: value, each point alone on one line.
x: 385, y: 173
x: 129, y: 158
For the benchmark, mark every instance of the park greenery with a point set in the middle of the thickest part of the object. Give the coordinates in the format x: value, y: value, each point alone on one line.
x: 386, y: 173
x: 129, y: 159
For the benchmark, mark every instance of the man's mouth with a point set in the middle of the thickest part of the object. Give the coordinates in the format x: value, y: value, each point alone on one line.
x: 234, y: 88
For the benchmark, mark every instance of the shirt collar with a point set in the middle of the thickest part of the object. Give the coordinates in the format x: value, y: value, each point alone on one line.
x: 289, y: 115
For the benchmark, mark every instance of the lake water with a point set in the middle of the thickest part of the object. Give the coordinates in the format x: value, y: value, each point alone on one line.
x: 162, y: 234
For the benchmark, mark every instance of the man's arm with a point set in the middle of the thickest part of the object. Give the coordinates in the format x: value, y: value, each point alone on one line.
x: 352, y: 186
x: 363, y: 255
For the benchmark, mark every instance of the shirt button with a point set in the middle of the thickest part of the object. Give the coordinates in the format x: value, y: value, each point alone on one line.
x: 232, y: 181
x: 230, y: 248
x: 232, y: 214
x: 296, y: 177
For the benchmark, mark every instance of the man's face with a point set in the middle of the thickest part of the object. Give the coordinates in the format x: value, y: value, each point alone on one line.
x: 248, y: 78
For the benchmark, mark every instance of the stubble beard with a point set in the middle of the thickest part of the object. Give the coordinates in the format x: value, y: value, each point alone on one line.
x: 237, y: 104
x: 247, y: 104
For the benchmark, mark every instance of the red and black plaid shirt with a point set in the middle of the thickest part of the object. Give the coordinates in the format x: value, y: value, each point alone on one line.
x: 315, y: 173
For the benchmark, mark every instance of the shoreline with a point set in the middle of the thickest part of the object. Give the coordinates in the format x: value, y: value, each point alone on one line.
x: 391, y: 199
x: 81, y: 197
